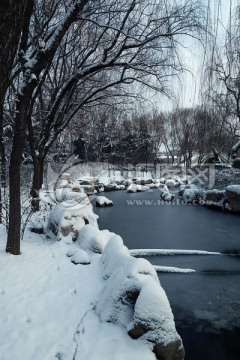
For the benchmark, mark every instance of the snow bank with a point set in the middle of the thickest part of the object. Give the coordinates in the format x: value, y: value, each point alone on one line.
x: 79, y: 257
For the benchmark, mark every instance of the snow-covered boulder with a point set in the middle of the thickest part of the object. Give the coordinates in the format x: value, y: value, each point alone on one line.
x: 153, y: 321
x: 63, y: 184
x: 103, y: 201
x: 133, y: 298
x: 215, y: 197
x: 110, y: 187
x: 120, y: 187
x: 182, y: 188
x: 67, y: 177
x: 114, y: 255
x: 137, y: 188
x: 188, y: 195
x: 81, y: 197
x: 193, y: 195
x: 127, y: 182
x: 76, y: 187
x: 165, y: 194
x: 99, y: 187
x: 69, y: 217
x: 171, y: 183
x: 233, y: 197
x: 88, y: 189
x: 92, y: 239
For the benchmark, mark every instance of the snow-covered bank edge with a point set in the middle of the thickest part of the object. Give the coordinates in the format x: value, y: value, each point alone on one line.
x: 149, y: 252
x: 111, y: 304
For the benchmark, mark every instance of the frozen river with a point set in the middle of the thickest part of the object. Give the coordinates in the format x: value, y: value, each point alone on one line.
x: 206, y: 304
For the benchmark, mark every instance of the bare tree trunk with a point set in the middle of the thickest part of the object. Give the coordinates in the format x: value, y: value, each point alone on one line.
x: 37, y: 183
x: 13, y: 240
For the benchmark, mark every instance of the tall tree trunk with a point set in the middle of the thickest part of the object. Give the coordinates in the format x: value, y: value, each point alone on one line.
x: 13, y: 240
x: 37, y: 183
x: 14, y: 231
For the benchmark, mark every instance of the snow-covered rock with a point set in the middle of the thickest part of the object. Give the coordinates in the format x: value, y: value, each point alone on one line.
x: 171, y: 183
x: 133, y: 297
x: 103, y: 201
x: 88, y: 189
x: 67, y: 177
x: 233, y: 197
x: 215, y: 196
x: 167, y: 196
x: 92, y: 239
x: 79, y: 197
x: 188, y: 195
x: 114, y: 255
x: 69, y: 217
x: 137, y: 188
x: 63, y: 184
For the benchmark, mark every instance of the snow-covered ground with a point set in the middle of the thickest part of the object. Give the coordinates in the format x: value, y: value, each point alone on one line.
x: 47, y: 305
x: 70, y: 300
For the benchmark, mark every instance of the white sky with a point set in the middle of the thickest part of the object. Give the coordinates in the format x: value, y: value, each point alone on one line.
x: 188, y: 91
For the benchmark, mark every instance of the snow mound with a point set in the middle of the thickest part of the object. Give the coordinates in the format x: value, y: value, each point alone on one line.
x: 92, y: 239
x: 80, y: 257
x: 103, y: 201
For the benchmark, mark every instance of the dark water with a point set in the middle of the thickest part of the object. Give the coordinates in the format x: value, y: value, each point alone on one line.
x: 206, y: 304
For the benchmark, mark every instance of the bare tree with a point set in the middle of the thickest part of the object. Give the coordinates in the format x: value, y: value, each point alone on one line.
x: 73, y: 54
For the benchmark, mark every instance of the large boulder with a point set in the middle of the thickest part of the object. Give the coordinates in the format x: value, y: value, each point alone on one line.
x: 92, y: 239
x: 233, y: 197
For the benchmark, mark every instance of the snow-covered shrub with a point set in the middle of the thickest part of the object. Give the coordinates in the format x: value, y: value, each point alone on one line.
x: 236, y: 163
